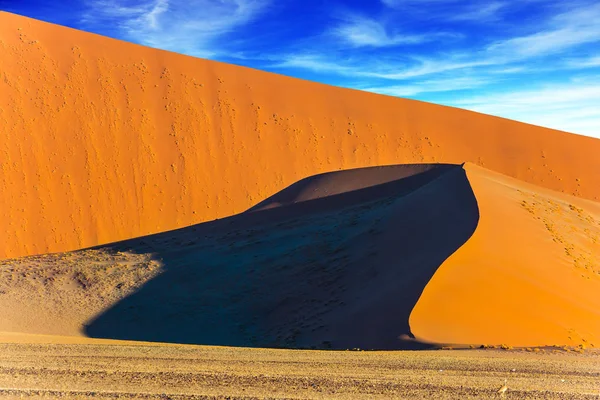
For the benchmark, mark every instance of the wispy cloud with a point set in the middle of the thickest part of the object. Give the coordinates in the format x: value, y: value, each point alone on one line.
x: 122, y: 13
x: 404, y: 3
x: 430, y: 86
x: 562, y: 32
x: 361, y: 31
x: 480, y: 12
x: 570, y: 106
x: 425, y: 67
x: 190, y: 27
x: 380, y: 69
x: 451, y: 10
x: 317, y: 63
x: 588, y: 62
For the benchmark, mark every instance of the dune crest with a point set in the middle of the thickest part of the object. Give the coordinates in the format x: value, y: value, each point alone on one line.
x: 104, y: 140
x: 333, y: 183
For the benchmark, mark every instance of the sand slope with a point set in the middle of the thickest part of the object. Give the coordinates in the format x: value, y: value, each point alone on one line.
x: 530, y: 274
x: 102, y: 140
x: 447, y: 253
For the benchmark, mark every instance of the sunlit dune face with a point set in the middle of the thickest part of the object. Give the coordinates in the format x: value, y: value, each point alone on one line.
x: 529, y: 275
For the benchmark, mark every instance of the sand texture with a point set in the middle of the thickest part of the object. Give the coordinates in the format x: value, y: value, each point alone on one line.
x: 67, y: 371
x: 529, y: 275
x: 102, y: 140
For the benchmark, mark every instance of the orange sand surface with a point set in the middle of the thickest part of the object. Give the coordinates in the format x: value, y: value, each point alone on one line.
x: 529, y: 275
x: 102, y: 140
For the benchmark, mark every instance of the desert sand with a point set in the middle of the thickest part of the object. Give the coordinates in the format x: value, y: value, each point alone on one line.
x: 104, y: 140
x: 532, y: 263
x: 154, y: 207
x: 47, y: 370
x: 529, y: 275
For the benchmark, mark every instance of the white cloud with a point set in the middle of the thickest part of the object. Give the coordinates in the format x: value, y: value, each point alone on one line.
x: 123, y: 13
x: 509, y: 70
x: 564, y: 31
x: 480, y: 12
x: 450, y: 10
x: 572, y: 106
x: 543, y: 43
x: 430, y: 86
x: 318, y: 64
x: 426, y: 67
x: 404, y: 3
x: 561, y: 33
x: 361, y: 31
x: 590, y: 62
x: 190, y: 27
x: 151, y: 18
x: 376, y: 69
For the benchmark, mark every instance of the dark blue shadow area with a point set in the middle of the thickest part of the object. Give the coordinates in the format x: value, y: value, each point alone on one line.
x: 341, y: 271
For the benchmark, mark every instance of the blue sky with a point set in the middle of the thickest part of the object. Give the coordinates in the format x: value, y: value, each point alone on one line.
x: 536, y: 61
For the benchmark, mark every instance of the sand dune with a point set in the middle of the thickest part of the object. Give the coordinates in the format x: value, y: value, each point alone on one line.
x: 103, y: 140
x: 321, y: 273
x: 441, y: 253
x: 530, y: 275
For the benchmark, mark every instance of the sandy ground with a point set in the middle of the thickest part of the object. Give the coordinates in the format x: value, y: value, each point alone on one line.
x: 134, y: 370
x: 166, y: 141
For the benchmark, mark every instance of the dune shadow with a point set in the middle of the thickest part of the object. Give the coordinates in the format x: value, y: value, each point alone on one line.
x: 334, y: 271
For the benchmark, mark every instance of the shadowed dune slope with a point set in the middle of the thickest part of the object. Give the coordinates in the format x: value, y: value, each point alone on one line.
x: 529, y: 275
x: 339, y: 271
x: 102, y: 140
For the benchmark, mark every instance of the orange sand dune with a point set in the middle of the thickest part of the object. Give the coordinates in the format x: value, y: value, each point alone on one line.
x: 529, y: 275
x: 102, y: 140
x: 384, y: 257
